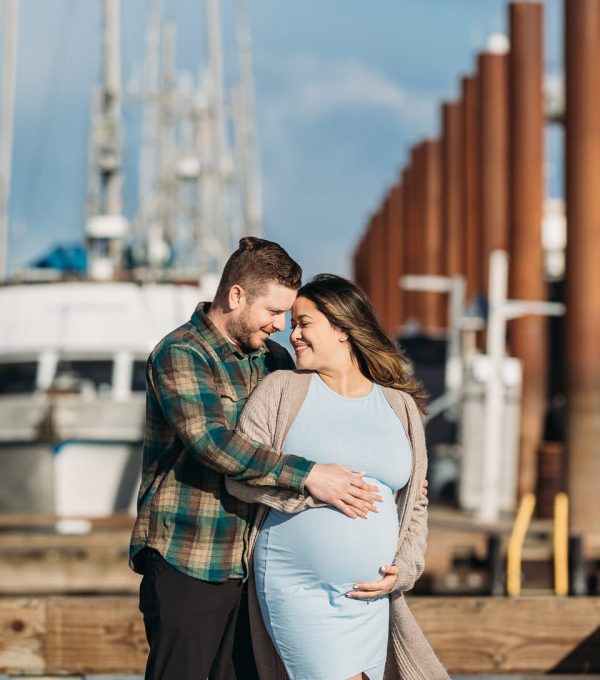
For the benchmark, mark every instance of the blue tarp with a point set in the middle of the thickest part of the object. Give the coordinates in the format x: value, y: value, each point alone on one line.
x: 64, y: 257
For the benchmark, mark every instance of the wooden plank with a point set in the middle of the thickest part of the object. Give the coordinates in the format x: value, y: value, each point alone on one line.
x: 22, y: 635
x: 517, y: 635
x: 95, y: 635
x: 98, y: 541
x: 65, y: 572
x: 18, y: 521
x: 104, y: 635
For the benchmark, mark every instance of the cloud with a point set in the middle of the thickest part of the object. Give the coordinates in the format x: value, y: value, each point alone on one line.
x: 312, y: 88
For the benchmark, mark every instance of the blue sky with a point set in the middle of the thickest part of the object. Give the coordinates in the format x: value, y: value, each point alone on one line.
x: 344, y: 89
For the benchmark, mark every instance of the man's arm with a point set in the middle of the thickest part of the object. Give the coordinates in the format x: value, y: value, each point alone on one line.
x: 183, y: 384
x: 329, y: 483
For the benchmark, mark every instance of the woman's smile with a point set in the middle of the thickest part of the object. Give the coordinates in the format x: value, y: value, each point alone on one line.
x: 300, y: 347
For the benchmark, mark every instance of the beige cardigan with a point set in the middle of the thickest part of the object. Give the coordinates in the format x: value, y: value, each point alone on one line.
x: 267, y: 418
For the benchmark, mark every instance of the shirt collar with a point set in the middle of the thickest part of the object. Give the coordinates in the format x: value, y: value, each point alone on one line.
x: 213, y: 336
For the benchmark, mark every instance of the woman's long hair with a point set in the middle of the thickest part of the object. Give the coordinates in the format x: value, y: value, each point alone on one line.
x: 348, y: 308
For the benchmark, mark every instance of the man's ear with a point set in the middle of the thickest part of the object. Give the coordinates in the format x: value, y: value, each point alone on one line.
x: 237, y: 297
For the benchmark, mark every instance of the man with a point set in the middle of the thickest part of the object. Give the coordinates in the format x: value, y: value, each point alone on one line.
x: 189, y: 537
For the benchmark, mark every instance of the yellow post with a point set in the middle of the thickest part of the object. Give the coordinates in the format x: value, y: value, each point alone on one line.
x: 561, y: 544
x: 515, y: 544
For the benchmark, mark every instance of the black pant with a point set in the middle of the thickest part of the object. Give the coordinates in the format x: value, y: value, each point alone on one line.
x: 195, y: 629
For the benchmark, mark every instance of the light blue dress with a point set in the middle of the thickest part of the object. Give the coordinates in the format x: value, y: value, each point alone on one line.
x: 305, y: 563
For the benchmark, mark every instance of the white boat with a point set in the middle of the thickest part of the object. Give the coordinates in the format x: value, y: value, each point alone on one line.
x: 73, y: 345
x: 72, y: 390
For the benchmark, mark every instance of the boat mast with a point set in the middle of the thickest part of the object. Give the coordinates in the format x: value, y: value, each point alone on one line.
x: 148, y: 153
x: 217, y: 108
x: 167, y: 206
x: 110, y: 159
x: 246, y: 129
x: 107, y: 228
x: 9, y: 62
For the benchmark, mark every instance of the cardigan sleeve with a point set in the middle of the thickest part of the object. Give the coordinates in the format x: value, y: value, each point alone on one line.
x: 410, y: 556
x: 258, y: 421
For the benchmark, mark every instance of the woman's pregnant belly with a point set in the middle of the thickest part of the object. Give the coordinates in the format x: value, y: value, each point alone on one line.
x: 322, y: 546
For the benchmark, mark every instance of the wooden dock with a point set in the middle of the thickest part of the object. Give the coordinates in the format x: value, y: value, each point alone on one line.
x: 68, y: 605
x: 104, y: 635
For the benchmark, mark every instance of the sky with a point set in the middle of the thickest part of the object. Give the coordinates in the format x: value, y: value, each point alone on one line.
x: 344, y: 88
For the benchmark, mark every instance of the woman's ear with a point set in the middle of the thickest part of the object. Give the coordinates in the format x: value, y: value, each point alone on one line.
x: 342, y: 337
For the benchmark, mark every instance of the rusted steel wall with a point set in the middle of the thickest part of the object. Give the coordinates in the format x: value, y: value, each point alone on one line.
x: 359, y: 263
x: 368, y: 271
x: 431, y: 244
x: 408, y: 297
x: 582, y: 62
x: 377, y: 264
x: 527, y: 335
x: 452, y: 188
x: 417, y: 250
x: 481, y: 188
x: 493, y: 161
x: 471, y: 212
x: 394, y: 255
x: 381, y: 224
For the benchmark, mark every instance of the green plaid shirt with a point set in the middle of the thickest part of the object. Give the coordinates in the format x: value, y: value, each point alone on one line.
x: 197, y: 384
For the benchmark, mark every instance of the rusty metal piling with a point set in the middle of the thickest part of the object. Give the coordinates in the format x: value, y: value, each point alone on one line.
x: 582, y: 64
x: 528, y: 335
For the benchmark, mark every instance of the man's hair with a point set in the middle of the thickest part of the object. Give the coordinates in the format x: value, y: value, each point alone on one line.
x: 256, y: 263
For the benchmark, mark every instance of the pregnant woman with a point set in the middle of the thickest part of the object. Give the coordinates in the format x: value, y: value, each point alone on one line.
x: 355, y: 403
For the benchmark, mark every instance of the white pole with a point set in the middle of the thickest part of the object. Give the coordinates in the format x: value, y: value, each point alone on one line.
x: 494, y: 399
x: 9, y: 66
x: 456, y: 310
x: 250, y: 170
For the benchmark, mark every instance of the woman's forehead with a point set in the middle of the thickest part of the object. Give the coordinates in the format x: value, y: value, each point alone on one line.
x: 303, y: 306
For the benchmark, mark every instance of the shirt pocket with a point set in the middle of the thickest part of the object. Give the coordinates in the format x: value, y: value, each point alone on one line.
x: 227, y: 391
x: 232, y: 401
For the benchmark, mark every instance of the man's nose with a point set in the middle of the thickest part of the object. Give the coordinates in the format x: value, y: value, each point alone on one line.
x: 279, y: 322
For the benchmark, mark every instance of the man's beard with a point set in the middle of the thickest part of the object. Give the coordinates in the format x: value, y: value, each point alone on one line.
x: 240, y: 330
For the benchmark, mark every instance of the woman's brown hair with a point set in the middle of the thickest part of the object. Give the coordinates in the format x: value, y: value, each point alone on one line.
x: 347, y: 307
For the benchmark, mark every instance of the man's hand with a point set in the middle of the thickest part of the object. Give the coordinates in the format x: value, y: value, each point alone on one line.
x: 342, y: 488
x: 371, y: 591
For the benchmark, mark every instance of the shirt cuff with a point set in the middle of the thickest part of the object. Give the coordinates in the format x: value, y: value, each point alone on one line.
x: 294, y: 472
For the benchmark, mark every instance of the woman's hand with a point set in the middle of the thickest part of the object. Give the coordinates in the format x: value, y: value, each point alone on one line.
x: 381, y: 588
x: 371, y: 591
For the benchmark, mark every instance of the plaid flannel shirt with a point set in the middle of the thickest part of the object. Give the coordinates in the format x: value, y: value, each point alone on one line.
x: 197, y: 384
